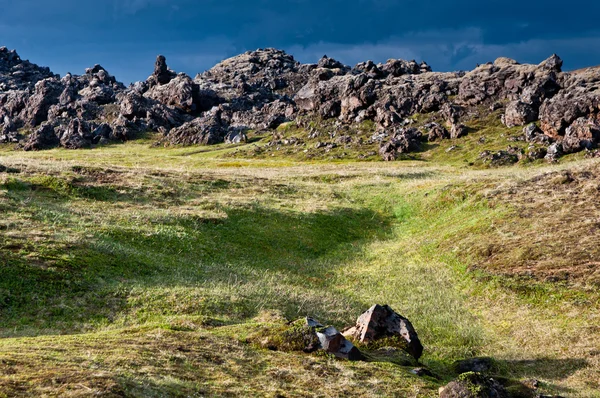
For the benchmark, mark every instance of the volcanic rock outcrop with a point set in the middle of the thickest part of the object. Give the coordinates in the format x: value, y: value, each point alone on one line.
x: 260, y: 90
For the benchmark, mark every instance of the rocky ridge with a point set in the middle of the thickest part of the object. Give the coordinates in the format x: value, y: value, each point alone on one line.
x: 260, y: 90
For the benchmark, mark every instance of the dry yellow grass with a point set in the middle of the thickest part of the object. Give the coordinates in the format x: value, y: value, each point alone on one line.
x: 180, y: 250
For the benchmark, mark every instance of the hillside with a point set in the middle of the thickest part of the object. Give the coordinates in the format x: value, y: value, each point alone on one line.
x: 144, y: 271
x: 169, y: 238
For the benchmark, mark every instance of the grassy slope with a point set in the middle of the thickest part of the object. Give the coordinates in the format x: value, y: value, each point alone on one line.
x: 140, y: 272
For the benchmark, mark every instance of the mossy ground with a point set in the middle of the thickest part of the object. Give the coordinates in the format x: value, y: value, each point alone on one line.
x: 130, y: 270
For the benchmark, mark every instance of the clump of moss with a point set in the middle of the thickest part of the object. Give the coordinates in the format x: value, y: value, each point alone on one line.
x: 60, y: 186
x: 299, y: 338
x: 476, y: 383
x: 296, y: 336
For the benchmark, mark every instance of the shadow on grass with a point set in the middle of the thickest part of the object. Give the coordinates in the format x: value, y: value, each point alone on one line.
x: 90, y: 282
x: 549, y: 367
x: 428, y: 146
x: 414, y: 175
x: 50, y: 187
x: 544, y: 368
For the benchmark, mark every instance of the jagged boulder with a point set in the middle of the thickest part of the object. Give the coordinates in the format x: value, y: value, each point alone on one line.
x: 579, y: 96
x: 236, y: 137
x: 132, y: 104
x: 46, y: 94
x: 264, y: 73
x: 399, y: 67
x: 178, y: 93
x: 162, y: 74
x: 17, y: 74
x: 161, y: 117
x: 452, y: 113
x: 43, y: 138
x: 99, y: 94
x: 458, y: 131
x: 325, y: 97
x: 12, y: 104
x: 402, y: 141
x: 206, y: 130
x: 534, y: 153
x: 382, y: 322
x: 437, y: 132
x: 554, y: 152
x: 156, y: 115
x: 506, y: 79
x: 77, y: 135
x: 558, y: 113
x: 531, y: 131
x: 553, y: 63
x: 124, y: 129
x: 371, y: 70
x: 97, y: 85
x: 70, y: 91
x: 8, y: 130
x: 584, y: 133
x: 519, y: 113
x: 534, y: 134
x: 329, y: 63
x: 103, y: 133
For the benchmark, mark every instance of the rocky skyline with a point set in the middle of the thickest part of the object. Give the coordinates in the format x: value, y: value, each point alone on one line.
x: 260, y: 90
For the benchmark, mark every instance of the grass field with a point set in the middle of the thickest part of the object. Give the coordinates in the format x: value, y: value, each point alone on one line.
x: 138, y: 271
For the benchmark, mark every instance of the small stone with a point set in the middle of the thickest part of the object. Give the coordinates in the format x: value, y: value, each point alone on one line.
x: 437, y: 132
x: 458, y: 131
x: 554, y: 152
x: 312, y: 323
x: 531, y: 131
x: 335, y: 343
x: 236, y: 137
x: 422, y: 372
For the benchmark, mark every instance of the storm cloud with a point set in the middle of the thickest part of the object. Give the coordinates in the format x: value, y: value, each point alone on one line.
x: 125, y: 36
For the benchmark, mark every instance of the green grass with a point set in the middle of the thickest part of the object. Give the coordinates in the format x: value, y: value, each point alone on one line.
x: 144, y: 271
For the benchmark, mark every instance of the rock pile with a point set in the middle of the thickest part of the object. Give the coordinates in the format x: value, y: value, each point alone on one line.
x: 379, y: 335
x: 381, y: 322
x: 378, y: 324
x: 259, y: 90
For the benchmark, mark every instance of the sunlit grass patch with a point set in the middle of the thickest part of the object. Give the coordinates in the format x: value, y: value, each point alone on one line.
x: 138, y: 245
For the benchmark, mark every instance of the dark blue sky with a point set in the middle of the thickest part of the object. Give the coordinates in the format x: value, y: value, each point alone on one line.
x: 126, y: 35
